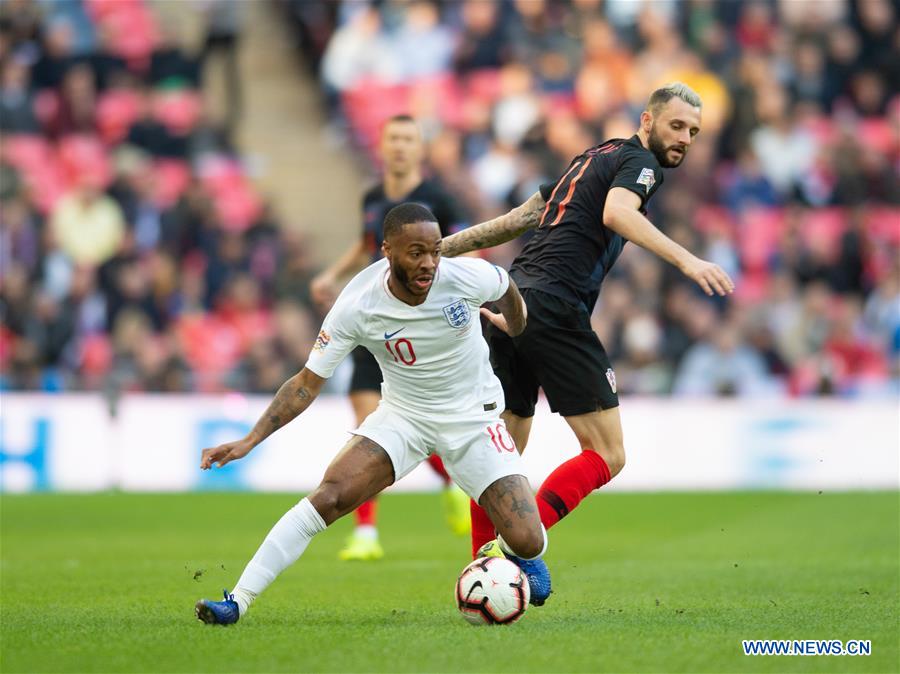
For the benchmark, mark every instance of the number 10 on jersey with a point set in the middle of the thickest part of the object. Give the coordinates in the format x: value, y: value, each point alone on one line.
x: 401, y: 351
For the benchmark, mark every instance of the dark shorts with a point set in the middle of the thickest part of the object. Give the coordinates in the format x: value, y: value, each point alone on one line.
x: 366, y: 372
x: 558, y: 352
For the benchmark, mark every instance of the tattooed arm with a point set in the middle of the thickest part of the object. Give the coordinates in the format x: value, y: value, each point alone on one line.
x: 499, y: 230
x: 513, y: 312
x: 294, y: 396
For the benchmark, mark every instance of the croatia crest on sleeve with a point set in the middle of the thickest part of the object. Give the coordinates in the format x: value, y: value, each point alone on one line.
x: 457, y: 314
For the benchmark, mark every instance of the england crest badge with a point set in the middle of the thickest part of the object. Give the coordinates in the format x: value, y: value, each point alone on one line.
x: 611, y: 378
x: 647, y: 178
x: 458, y: 314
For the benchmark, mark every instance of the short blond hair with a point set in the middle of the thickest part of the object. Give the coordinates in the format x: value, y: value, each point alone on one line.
x: 673, y: 90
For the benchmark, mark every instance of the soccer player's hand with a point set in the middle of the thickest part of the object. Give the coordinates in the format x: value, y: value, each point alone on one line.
x: 323, y: 290
x: 499, y: 320
x: 225, y: 453
x: 709, y: 276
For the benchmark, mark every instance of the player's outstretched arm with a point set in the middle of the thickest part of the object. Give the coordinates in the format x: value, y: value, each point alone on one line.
x: 294, y: 396
x: 621, y: 215
x: 499, y: 230
x: 324, y: 287
x: 513, y: 313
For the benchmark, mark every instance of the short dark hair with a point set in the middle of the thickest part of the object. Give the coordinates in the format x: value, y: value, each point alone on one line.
x: 400, y: 118
x: 405, y: 214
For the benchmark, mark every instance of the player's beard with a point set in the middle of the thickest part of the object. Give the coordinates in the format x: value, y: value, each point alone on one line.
x: 661, y: 151
x: 402, y: 279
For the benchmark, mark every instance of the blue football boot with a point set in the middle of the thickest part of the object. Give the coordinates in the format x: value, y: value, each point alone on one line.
x: 534, y: 569
x: 538, y: 578
x: 218, y: 612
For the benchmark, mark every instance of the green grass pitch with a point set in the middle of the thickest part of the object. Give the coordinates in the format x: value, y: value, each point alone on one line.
x: 643, y: 582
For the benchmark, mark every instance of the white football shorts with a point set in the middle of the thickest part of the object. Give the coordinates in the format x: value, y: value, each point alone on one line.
x: 477, y: 451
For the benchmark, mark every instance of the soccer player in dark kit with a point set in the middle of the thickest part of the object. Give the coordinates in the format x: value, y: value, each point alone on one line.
x: 401, y: 151
x: 582, y: 223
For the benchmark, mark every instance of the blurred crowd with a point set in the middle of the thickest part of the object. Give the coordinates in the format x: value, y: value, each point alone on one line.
x: 136, y: 256
x: 792, y: 185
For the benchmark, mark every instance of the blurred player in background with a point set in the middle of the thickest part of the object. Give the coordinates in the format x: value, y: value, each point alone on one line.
x: 422, y: 322
x: 583, y: 222
x: 401, y: 151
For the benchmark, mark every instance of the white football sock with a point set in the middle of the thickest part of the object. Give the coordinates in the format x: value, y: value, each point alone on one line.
x: 509, y: 551
x: 367, y: 532
x: 282, y: 547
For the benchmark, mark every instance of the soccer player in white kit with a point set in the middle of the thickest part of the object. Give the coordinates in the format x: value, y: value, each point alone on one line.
x: 419, y: 316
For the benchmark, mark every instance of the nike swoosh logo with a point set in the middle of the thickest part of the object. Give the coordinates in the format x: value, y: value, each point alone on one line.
x: 388, y: 336
x: 475, y: 586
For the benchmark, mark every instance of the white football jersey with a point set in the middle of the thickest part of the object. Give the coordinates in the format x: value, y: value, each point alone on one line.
x: 433, y: 356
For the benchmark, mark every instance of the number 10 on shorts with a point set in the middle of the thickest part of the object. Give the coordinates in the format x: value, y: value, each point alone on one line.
x: 501, y: 438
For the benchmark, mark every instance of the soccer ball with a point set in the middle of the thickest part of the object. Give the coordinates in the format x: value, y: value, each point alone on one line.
x: 492, y: 591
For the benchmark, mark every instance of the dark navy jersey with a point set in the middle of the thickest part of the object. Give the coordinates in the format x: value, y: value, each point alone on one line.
x: 572, y: 250
x: 427, y: 193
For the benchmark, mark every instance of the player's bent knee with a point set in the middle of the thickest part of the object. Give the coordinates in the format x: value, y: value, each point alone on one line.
x: 526, y: 543
x: 616, y: 461
x: 330, y: 501
x: 534, y: 544
x: 614, y: 457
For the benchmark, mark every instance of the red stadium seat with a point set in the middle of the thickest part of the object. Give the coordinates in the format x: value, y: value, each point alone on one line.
x: 26, y: 151
x: 822, y: 229
x: 100, y: 10
x: 220, y: 175
x: 177, y: 109
x: 877, y: 134
x: 132, y: 26
x: 822, y: 129
x: 47, y: 184
x: 172, y: 178
x: 236, y: 202
x: 39, y: 166
x: 252, y: 326
x: 437, y: 97
x: 210, y: 345
x: 560, y: 104
x: 883, y: 224
x: 369, y: 104
x: 484, y: 85
x: 7, y: 338
x: 84, y: 158
x: 96, y: 354
x: 238, y: 208
x: 753, y: 287
x: 219, y: 172
x: 711, y: 218
x: 117, y: 110
x: 758, y: 233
